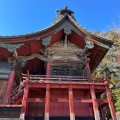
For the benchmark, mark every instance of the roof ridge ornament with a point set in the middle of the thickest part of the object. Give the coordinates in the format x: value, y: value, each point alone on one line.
x: 65, y: 11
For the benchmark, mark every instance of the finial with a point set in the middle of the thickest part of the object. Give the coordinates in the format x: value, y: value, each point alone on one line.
x: 65, y: 10
x: 66, y: 6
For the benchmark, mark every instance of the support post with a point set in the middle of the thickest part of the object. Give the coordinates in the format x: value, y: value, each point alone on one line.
x: 89, y: 76
x: 24, y: 103
x: 71, y: 105
x: 9, y: 87
x: 47, y: 102
x: 48, y: 68
x: 95, y: 104
x: 111, y: 106
x: 102, y: 112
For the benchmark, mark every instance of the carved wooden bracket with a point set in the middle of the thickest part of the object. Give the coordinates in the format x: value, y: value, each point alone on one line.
x: 89, y: 44
x: 46, y: 40
x: 67, y: 26
x: 11, y: 47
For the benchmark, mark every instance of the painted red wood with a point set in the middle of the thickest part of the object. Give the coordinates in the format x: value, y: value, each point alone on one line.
x: 102, y: 113
x: 95, y: 104
x: 58, y: 108
x: 77, y: 85
x: 78, y: 40
x: 24, y: 102
x: 88, y: 70
x: 47, y: 102
x: 80, y: 107
x: 9, y: 86
x: 111, y: 106
x: 71, y: 103
x: 48, y: 68
x: 3, y: 87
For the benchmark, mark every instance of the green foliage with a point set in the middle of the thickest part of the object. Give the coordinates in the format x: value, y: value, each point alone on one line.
x: 110, y: 66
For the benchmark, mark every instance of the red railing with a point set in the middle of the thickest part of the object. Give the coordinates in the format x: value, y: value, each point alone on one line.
x: 54, y: 78
x: 15, y: 94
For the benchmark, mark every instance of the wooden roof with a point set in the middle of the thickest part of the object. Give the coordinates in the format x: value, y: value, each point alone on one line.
x: 32, y: 43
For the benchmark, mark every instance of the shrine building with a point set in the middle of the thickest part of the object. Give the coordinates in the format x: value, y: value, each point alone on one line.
x: 46, y: 75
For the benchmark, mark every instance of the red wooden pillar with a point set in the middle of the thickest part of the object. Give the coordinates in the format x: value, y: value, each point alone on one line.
x: 111, y: 106
x: 9, y: 87
x: 71, y: 105
x: 47, y: 102
x: 102, y: 112
x: 95, y: 104
x: 88, y: 70
x: 24, y: 102
x: 48, y: 68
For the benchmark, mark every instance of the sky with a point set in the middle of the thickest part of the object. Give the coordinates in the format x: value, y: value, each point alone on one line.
x: 19, y: 17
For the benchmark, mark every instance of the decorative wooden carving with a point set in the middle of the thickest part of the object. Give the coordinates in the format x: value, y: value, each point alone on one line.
x: 67, y: 26
x: 67, y: 30
x: 65, y: 50
x: 67, y: 70
x: 89, y: 44
x: 11, y: 47
x: 46, y: 40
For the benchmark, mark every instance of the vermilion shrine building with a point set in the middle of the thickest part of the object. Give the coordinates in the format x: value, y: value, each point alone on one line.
x: 47, y: 74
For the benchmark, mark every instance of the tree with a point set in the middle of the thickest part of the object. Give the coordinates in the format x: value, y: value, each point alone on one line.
x: 110, y: 65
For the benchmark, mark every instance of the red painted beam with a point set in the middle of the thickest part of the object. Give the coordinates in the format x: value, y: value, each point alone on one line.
x: 102, y: 101
x: 80, y: 85
x: 48, y: 72
x: 2, y: 106
x: 24, y: 102
x: 88, y: 70
x: 47, y: 102
x: 9, y: 87
x: 35, y: 100
x: 16, y: 102
x: 95, y: 104
x: 64, y: 100
x: 71, y: 105
x: 111, y: 106
x: 102, y: 112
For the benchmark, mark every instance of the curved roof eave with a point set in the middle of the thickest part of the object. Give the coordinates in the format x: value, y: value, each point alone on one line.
x: 52, y: 28
x: 40, y: 33
x: 100, y: 39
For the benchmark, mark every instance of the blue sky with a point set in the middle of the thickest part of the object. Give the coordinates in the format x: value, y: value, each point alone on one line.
x: 26, y: 16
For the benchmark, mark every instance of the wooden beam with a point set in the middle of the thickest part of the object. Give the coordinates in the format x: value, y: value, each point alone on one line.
x: 83, y: 100
x: 101, y: 112
x: 102, y: 100
x: 71, y: 105
x: 88, y: 70
x: 10, y: 106
x: 47, y: 102
x: 48, y: 71
x: 24, y: 102
x: 64, y: 100
x: 75, y: 85
x: 111, y: 106
x: 61, y: 100
x: 9, y: 87
x: 95, y: 104
x: 35, y: 100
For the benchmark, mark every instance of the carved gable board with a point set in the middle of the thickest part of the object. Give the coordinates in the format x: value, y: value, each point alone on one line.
x: 65, y: 50
x: 70, y: 57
